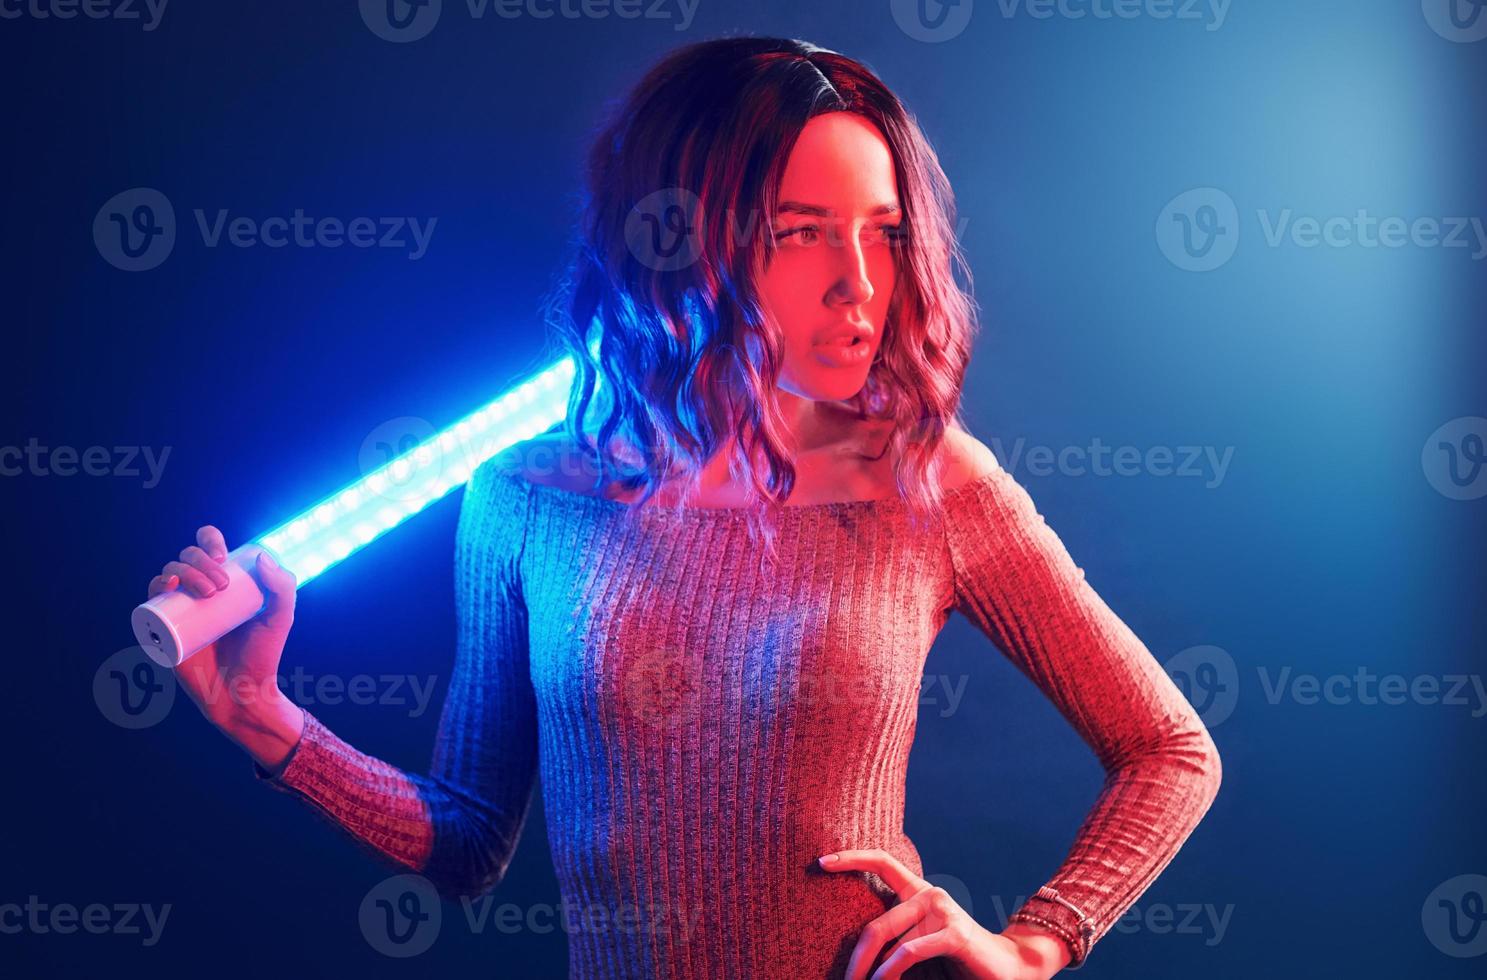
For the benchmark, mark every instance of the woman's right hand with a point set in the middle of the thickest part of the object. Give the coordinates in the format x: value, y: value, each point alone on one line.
x: 235, y: 677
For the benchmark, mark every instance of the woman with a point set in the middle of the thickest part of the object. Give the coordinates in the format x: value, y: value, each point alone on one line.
x: 703, y: 606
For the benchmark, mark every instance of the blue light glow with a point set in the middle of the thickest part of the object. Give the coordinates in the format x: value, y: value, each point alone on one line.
x: 359, y: 513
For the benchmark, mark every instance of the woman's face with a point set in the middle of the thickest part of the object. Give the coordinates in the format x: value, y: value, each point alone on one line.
x: 834, y: 267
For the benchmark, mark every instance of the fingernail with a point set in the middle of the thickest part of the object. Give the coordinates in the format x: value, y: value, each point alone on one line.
x: 827, y: 859
x: 220, y: 555
x: 268, y: 559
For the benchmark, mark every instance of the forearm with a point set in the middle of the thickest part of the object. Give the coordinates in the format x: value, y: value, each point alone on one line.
x: 458, y: 834
x: 1149, y: 806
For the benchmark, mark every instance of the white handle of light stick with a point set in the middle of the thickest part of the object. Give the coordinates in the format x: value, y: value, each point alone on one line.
x: 174, y: 625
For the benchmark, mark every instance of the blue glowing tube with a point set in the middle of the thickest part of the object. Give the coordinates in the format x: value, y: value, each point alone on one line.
x: 174, y: 625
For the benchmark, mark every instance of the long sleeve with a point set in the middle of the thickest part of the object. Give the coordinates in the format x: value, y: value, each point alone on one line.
x: 1017, y: 583
x: 459, y: 824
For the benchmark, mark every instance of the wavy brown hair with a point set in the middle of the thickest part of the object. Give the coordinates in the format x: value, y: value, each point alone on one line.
x: 675, y: 357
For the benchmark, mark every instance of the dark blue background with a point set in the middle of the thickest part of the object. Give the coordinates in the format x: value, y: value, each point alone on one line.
x: 1323, y: 549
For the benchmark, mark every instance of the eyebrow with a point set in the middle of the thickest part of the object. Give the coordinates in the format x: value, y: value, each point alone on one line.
x: 796, y: 207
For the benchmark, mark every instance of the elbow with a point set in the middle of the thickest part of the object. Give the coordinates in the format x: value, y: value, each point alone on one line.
x: 1185, y: 758
x: 466, y: 873
x: 468, y: 888
x: 471, y: 852
x: 1211, y: 765
x: 473, y: 840
x: 1192, y: 749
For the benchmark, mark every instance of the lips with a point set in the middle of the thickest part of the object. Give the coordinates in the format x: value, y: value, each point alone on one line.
x: 847, y: 335
x: 849, y: 349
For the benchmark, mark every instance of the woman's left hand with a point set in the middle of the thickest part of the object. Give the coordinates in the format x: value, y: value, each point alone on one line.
x: 928, y: 923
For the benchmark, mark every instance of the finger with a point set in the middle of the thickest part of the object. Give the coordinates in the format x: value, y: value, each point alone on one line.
x: 210, y: 567
x: 905, y: 883
x: 279, y: 588
x: 212, y: 542
x: 942, y: 943
x: 161, y: 583
x: 192, y: 579
x: 879, y: 933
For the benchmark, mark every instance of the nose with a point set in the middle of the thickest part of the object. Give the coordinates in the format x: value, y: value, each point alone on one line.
x: 852, y: 286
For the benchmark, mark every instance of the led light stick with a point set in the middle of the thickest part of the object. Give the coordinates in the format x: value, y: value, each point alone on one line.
x: 174, y: 625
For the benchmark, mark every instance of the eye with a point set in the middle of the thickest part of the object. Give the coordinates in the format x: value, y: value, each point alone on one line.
x: 804, y: 234
x: 893, y: 234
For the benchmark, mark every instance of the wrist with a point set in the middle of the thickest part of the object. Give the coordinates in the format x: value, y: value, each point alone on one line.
x: 268, y: 730
x: 1043, y: 954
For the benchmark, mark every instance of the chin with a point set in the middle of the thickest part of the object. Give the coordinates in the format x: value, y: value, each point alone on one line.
x: 829, y: 386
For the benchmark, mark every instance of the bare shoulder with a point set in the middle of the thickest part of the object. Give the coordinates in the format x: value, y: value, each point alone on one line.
x: 550, y: 459
x: 964, y: 459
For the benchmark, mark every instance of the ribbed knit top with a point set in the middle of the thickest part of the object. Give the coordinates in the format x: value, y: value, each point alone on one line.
x: 704, y: 731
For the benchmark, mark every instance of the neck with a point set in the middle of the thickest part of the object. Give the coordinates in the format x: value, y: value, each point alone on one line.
x: 815, y: 431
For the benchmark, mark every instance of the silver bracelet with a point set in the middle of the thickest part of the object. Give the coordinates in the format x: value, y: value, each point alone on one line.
x: 1086, y: 928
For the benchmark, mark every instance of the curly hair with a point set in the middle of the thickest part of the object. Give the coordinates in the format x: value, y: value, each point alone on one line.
x: 675, y: 357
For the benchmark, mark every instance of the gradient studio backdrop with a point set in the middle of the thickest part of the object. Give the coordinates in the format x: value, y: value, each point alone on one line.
x: 1295, y: 405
